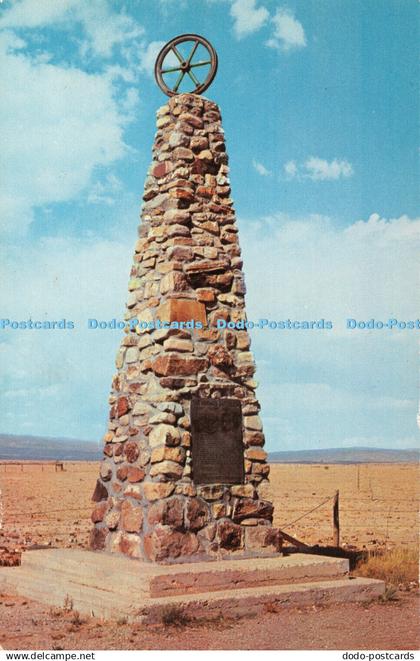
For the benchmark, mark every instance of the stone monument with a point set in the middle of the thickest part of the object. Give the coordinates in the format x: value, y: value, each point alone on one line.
x: 184, y: 473
x: 184, y: 477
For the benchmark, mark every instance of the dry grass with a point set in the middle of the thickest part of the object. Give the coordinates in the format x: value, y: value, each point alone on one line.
x: 397, y: 567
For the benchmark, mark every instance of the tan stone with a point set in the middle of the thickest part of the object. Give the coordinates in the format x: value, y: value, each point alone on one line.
x: 164, y: 434
x: 167, y: 468
x: 164, y: 452
x: 253, y: 438
x: 133, y: 491
x: 126, y: 543
x: 162, y: 417
x: 243, y: 490
x: 105, y: 471
x: 174, y: 281
x: 218, y: 510
x: 255, y: 454
x: 175, y: 344
x: 111, y: 520
x: 182, y: 310
x: 157, y: 490
x: 211, y: 491
x: 253, y: 422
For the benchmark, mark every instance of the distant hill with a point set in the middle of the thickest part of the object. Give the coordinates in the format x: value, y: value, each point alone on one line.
x: 44, y: 447
x: 351, y: 455
x: 68, y: 449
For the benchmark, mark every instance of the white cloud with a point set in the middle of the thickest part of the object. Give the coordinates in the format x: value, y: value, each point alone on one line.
x: 324, y: 270
x: 58, y: 124
x: 261, y: 169
x: 291, y: 169
x: 288, y: 31
x: 319, y: 169
x: 104, y: 28
x: 149, y: 55
x: 311, y: 268
x: 75, y: 279
x: 247, y: 17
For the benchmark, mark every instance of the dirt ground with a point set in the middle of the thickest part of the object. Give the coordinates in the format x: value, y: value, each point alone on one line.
x: 391, y: 625
x: 378, y: 503
x: 378, y: 508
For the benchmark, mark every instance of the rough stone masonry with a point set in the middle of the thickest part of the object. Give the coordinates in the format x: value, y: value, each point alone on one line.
x: 187, y: 266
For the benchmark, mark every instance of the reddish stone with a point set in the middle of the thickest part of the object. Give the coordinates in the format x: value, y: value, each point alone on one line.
x: 205, y: 191
x: 245, y: 508
x: 131, y: 451
x: 194, y: 121
x: 206, y: 265
x: 168, y: 512
x: 131, y: 517
x: 122, y: 406
x: 174, y: 364
x: 135, y: 474
x: 230, y: 535
x: 162, y: 169
x: 164, y: 543
x: 263, y: 537
x: 100, y: 492
x: 99, y: 511
x: 109, y: 449
x: 219, y: 356
x: 118, y: 449
x: 97, y: 539
x: 122, y: 473
x: 196, y: 514
x: 182, y: 194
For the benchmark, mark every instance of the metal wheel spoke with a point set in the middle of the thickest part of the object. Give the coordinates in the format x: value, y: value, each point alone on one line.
x: 194, y: 48
x: 179, y: 81
x: 194, y: 79
x: 171, y: 70
x: 178, y: 54
x: 200, y: 64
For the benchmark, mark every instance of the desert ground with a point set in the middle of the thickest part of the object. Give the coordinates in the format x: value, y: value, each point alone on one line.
x: 40, y: 504
x: 378, y: 503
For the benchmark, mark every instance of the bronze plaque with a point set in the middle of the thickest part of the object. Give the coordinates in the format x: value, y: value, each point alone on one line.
x: 217, y: 448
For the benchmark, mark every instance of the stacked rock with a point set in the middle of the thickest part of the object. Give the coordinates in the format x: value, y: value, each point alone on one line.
x: 187, y: 268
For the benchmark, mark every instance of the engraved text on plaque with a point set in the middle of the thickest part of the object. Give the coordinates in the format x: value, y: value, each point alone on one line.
x: 217, y: 448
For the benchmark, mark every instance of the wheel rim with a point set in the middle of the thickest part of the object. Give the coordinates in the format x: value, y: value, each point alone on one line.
x: 170, y: 76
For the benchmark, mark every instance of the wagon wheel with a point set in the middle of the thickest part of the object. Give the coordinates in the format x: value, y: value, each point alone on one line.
x: 185, y: 66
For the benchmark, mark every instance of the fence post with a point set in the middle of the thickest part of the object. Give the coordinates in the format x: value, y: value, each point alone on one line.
x: 336, y: 520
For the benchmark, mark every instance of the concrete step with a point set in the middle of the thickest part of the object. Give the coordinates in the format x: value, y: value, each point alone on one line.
x: 121, y: 574
x: 111, y: 586
x: 95, y: 601
x: 257, y: 600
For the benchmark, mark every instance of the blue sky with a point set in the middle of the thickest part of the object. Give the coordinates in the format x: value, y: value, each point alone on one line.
x: 320, y: 109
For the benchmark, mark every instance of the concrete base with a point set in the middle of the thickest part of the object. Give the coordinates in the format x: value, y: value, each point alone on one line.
x: 110, y: 586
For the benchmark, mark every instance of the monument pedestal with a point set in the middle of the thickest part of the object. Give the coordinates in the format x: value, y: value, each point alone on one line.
x: 111, y: 586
